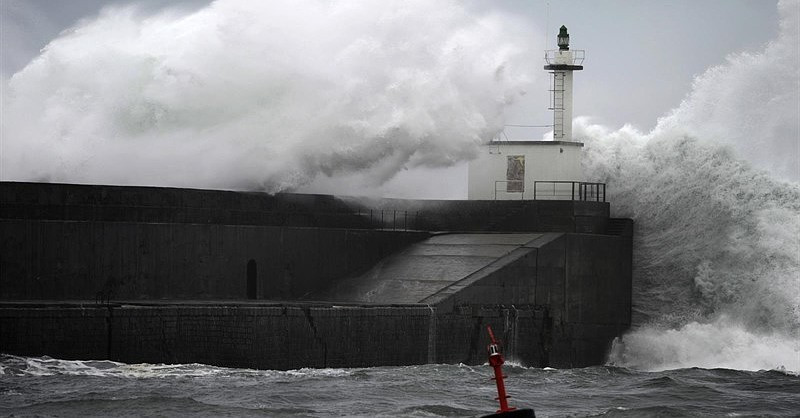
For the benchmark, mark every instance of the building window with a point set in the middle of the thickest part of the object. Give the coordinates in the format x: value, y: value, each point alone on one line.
x: 515, y: 174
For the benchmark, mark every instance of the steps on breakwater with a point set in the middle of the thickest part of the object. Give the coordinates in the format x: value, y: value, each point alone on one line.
x: 426, y: 268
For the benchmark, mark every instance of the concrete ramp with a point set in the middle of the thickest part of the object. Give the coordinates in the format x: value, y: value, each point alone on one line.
x: 425, y: 268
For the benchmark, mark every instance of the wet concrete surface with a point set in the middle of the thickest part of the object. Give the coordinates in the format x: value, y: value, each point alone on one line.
x: 425, y: 268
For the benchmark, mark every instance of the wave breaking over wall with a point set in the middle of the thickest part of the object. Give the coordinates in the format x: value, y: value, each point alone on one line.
x: 262, y: 95
x: 717, y: 246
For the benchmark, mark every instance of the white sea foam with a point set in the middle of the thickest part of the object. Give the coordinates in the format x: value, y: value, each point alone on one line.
x: 46, y: 366
x: 717, y: 244
x: 722, y: 343
x: 308, y: 372
x: 262, y: 95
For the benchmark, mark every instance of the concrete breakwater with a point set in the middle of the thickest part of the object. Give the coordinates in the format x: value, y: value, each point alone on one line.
x: 162, y: 275
x: 84, y: 260
x: 268, y: 336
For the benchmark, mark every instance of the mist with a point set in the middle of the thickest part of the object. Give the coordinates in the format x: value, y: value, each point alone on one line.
x: 239, y: 95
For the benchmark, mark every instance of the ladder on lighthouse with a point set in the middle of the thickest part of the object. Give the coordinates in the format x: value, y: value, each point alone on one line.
x: 557, y: 104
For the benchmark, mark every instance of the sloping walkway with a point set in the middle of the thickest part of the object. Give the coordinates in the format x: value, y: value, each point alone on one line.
x: 425, y: 268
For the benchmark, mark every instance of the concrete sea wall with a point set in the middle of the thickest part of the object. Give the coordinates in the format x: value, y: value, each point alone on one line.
x: 576, y: 282
x: 557, y: 301
x: 84, y: 260
x: 139, y: 274
x: 267, y: 336
x: 562, y: 299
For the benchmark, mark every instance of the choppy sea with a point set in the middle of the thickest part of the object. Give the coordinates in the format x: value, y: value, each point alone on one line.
x: 48, y: 387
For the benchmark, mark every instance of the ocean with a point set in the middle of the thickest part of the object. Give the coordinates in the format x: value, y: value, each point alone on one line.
x: 46, y: 387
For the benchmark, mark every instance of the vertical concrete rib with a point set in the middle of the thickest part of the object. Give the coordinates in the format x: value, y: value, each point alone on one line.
x: 432, y: 336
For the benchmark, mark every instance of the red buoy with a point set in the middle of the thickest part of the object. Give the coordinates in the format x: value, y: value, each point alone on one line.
x: 496, y: 361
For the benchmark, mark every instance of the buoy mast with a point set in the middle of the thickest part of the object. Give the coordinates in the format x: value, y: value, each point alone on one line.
x: 496, y: 361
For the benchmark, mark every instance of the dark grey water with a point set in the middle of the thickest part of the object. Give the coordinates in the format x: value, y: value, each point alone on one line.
x: 51, y: 387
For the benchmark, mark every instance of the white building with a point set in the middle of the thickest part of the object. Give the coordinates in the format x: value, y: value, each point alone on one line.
x: 510, y: 169
x: 537, y: 169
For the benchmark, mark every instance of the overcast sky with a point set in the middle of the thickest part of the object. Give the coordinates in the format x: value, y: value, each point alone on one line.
x: 641, y: 55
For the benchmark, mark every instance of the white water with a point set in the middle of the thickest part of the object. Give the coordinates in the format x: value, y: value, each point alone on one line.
x: 717, y: 246
x: 721, y: 343
x: 212, y: 99
x: 46, y: 366
x: 262, y: 95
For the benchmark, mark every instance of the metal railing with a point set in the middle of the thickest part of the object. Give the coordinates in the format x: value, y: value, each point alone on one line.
x: 507, y: 182
x: 569, y: 190
x: 396, y: 220
x: 552, y: 57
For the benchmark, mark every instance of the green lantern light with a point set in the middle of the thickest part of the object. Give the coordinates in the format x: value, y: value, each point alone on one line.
x: 563, y: 39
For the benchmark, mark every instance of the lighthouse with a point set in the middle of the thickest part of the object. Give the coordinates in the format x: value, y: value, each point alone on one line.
x: 561, y: 63
x: 533, y: 169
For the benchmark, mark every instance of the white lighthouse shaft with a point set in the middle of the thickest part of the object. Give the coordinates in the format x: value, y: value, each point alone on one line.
x: 562, y: 105
x: 561, y: 63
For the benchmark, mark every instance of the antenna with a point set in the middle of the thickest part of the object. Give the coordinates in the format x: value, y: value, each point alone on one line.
x: 547, y: 27
x: 547, y: 37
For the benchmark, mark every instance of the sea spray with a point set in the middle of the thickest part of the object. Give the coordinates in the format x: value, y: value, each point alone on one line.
x: 262, y: 95
x: 751, y: 102
x: 717, y: 243
x: 720, y: 343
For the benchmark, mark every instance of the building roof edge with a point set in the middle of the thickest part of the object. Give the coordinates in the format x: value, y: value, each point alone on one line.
x: 567, y: 143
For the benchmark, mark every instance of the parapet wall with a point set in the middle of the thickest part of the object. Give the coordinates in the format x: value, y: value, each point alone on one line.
x: 101, y: 203
x: 97, y: 203
x: 85, y: 260
x: 497, y: 215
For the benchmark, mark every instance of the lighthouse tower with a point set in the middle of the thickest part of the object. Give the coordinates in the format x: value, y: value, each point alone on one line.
x: 523, y: 169
x: 561, y: 63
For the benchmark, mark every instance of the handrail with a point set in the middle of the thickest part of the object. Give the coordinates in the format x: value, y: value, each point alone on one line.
x: 577, y: 190
x: 521, y: 192
x: 575, y: 57
x: 396, y: 220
